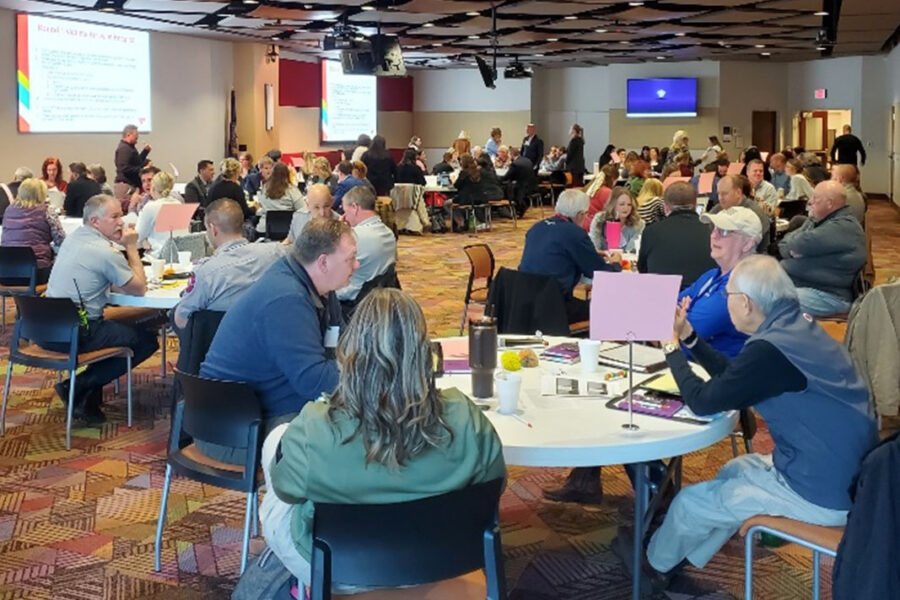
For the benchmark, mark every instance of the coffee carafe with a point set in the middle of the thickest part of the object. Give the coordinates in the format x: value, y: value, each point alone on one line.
x: 483, y: 356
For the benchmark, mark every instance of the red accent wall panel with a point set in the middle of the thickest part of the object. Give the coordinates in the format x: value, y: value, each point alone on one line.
x: 395, y: 93
x: 299, y: 83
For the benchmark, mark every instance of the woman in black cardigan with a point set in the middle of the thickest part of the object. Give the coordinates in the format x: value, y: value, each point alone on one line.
x: 382, y: 171
x: 575, y: 156
x: 408, y: 171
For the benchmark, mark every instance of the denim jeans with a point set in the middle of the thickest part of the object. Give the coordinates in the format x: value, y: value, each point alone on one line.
x: 705, y: 516
x: 821, y: 304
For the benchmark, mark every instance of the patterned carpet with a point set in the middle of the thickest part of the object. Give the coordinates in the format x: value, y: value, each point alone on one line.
x: 80, y: 524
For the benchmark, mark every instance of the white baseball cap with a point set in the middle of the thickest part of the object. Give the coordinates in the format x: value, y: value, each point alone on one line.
x: 736, y: 218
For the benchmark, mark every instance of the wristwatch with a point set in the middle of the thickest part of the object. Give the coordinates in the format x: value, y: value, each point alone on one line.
x: 669, y: 347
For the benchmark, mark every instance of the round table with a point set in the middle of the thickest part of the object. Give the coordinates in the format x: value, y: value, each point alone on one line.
x: 569, y: 431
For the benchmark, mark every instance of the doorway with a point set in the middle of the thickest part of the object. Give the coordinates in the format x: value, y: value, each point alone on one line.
x: 816, y: 130
x: 763, y: 129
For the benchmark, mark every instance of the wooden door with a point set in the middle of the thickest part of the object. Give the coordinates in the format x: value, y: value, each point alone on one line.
x: 814, y: 129
x: 763, y: 132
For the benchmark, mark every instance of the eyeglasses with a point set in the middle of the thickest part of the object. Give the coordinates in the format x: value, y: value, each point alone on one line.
x: 722, y: 232
x: 727, y: 293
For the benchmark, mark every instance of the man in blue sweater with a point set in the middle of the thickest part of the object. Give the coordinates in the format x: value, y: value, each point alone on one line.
x: 804, y: 384
x: 280, y: 336
x: 560, y: 247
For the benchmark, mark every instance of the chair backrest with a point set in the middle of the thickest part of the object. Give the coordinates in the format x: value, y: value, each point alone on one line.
x: 196, y: 339
x: 18, y: 266
x: 482, y: 260
x: 278, y: 224
x: 524, y: 303
x: 384, y: 545
x: 46, y: 320
x: 218, y: 412
x: 388, y: 279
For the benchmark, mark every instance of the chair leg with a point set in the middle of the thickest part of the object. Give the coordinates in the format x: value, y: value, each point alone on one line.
x: 162, y: 347
x: 748, y: 444
x: 255, y: 522
x: 512, y: 213
x: 127, y: 385
x: 462, y: 321
x: 70, y: 409
x: 3, y: 326
x: 734, y: 448
x: 116, y: 387
x: 9, y: 368
x: 245, y: 545
x: 161, y: 519
x: 494, y: 576
x: 815, y: 593
x: 748, y: 564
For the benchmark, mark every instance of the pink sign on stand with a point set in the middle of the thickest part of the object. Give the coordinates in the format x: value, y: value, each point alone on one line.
x: 174, y: 217
x: 672, y: 179
x: 637, y: 307
x: 704, y: 184
x: 735, y: 168
x: 613, y: 234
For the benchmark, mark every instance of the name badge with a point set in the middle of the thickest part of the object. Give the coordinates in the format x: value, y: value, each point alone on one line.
x: 331, y: 336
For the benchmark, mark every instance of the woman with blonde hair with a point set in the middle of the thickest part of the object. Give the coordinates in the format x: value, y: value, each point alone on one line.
x: 160, y: 194
x: 386, y: 434
x: 29, y: 221
x: 229, y: 186
x: 649, y: 202
x: 321, y: 173
x: 279, y: 194
x: 621, y: 208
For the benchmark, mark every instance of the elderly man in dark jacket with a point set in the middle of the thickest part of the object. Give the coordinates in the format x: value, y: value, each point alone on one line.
x: 824, y: 256
x: 129, y: 162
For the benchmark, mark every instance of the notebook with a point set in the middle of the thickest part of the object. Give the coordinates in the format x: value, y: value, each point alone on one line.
x: 646, y: 359
x: 566, y: 352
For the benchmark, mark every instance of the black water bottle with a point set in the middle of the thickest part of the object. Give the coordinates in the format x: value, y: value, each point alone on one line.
x: 483, y: 356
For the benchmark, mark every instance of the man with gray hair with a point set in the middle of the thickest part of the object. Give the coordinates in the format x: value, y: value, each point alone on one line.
x: 678, y: 244
x: 87, y: 267
x: 791, y: 372
x: 281, y: 334
x: 129, y: 162
x: 560, y: 247
x: 825, y: 255
x: 11, y: 189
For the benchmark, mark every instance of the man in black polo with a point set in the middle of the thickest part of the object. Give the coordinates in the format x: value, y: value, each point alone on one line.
x: 129, y: 162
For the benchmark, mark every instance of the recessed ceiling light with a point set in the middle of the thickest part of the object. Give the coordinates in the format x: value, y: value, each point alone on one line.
x: 821, y: 13
x: 570, y: 17
x: 759, y: 45
x: 635, y: 4
x: 368, y: 7
x: 624, y: 42
x: 552, y: 39
x: 473, y: 37
x: 680, y: 34
x: 428, y: 25
x: 600, y: 30
x: 438, y: 45
x: 473, y: 13
x: 251, y: 1
x: 107, y: 9
x: 539, y: 55
x: 766, y: 53
x: 660, y: 58
x: 820, y: 48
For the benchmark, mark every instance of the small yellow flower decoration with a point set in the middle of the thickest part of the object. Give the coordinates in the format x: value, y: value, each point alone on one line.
x: 510, y: 360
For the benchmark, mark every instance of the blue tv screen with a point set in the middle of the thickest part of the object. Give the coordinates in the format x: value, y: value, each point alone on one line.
x: 676, y: 97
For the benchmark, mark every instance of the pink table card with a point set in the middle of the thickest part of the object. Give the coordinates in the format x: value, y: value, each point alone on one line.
x: 735, y: 168
x: 175, y: 217
x: 633, y: 306
x: 704, y: 184
x: 672, y: 179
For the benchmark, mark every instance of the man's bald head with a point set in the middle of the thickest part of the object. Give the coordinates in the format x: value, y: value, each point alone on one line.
x: 843, y: 173
x: 320, y: 191
x: 827, y: 197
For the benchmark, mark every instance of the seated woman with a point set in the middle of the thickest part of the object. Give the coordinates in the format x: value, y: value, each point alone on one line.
x: 98, y: 174
x: 640, y: 172
x: 408, y: 171
x: 620, y: 209
x: 321, y: 173
x: 161, y: 193
x: 278, y: 194
x: 28, y: 221
x: 649, y: 202
x: 229, y: 186
x: 51, y: 174
x: 386, y: 434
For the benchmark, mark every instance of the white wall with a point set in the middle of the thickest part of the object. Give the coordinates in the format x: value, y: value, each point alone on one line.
x: 892, y: 79
x: 748, y: 86
x: 191, y: 80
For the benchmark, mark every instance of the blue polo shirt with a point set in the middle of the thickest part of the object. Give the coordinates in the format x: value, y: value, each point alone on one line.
x: 560, y: 248
x: 272, y: 338
x: 708, y: 314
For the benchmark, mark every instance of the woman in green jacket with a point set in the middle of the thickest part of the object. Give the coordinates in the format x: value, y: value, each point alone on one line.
x: 385, y: 435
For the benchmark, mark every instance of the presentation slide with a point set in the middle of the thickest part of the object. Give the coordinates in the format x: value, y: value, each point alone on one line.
x: 80, y: 77
x: 349, y: 105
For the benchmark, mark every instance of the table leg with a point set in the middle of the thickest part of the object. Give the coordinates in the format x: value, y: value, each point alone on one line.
x: 162, y: 347
x: 640, y: 507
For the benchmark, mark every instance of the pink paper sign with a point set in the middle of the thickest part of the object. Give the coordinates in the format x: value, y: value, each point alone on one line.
x: 704, y: 184
x: 613, y: 234
x: 735, y: 168
x: 174, y: 217
x: 672, y: 179
x: 633, y: 306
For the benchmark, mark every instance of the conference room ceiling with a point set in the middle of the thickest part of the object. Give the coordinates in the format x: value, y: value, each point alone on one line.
x: 448, y: 33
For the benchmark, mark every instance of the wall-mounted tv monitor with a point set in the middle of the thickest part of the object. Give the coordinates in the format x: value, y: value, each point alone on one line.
x: 662, y: 97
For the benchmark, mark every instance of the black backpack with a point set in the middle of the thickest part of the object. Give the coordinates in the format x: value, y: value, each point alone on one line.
x: 266, y: 578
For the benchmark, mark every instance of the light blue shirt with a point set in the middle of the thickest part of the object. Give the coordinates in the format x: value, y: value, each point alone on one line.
x: 491, y: 147
x: 781, y: 181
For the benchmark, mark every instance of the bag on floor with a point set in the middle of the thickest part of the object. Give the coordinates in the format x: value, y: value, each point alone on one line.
x: 264, y: 579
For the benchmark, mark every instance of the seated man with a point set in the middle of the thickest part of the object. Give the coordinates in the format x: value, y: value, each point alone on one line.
x: 847, y: 176
x: 318, y: 206
x: 81, y: 188
x: 376, y: 246
x: 731, y: 190
x: 280, y: 336
x: 521, y: 180
x: 809, y: 379
x: 780, y: 179
x: 561, y: 248
x: 825, y: 254
x: 346, y: 182
x: 218, y: 281
x: 554, y: 161
x: 85, y: 268
x: 763, y: 192
x: 679, y: 244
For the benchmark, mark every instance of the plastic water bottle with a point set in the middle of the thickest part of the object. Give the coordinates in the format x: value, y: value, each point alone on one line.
x: 472, y: 222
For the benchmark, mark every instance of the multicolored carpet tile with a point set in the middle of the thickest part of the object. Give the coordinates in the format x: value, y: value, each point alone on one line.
x: 80, y: 524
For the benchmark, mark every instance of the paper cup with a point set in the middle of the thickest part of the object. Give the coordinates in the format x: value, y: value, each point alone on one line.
x: 157, y: 266
x: 508, y: 387
x: 184, y: 258
x: 589, y: 351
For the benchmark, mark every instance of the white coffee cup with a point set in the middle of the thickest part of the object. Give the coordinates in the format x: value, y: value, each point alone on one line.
x: 508, y: 387
x: 184, y: 258
x: 589, y: 351
x: 157, y: 266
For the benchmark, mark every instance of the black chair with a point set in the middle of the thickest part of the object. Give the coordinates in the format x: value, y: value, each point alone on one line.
x: 226, y: 413
x: 409, y: 543
x: 54, y: 321
x: 388, y: 279
x: 524, y: 303
x: 196, y: 338
x: 18, y: 274
x: 278, y: 224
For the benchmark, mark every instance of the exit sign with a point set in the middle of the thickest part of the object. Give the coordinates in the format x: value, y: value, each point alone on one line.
x: 821, y: 94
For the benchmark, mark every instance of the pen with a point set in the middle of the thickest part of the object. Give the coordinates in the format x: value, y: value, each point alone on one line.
x: 521, y: 420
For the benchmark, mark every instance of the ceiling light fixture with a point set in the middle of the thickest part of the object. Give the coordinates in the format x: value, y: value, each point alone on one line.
x: 108, y: 9
x: 759, y: 45
x: 821, y: 48
x: 660, y: 58
x: 624, y: 42
x: 473, y: 37
x: 539, y: 56
x: 635, y: 4
x: 368, y: 7
x: 428, y: 25
x: 820, y: 13
x: 552, y: 39
x: 765, y: 53
x: 680, y: 34
x: 570, y: 17
x: 251, y: 1
x: 600, y: 30
x: 473, y: 13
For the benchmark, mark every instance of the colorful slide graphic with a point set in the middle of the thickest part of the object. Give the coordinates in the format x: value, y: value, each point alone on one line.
x: 348, y: 104
x: 80, y: 77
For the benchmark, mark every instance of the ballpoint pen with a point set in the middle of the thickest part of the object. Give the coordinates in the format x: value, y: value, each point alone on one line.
x: 521, y: 420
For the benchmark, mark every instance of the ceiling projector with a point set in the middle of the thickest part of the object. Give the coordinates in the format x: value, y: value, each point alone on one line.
x: 517, y: 70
